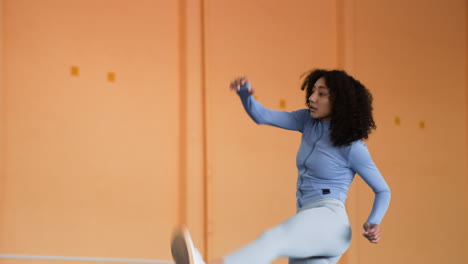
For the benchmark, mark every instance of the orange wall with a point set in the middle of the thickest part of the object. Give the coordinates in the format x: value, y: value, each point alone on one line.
x: 412, y: 54
x: 107, y: 169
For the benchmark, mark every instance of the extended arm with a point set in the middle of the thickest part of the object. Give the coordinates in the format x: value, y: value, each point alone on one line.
x: 262, y: 115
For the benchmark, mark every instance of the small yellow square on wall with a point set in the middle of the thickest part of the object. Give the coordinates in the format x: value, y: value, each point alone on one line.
x: 282, y: 104
x: 111, y: 76
x: 75, y: 71
x: 422, y: 124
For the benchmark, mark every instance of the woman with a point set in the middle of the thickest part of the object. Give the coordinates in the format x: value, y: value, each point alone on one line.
x: 338, y: 117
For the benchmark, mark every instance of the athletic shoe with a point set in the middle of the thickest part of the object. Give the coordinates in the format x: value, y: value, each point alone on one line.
x: 182, y: 248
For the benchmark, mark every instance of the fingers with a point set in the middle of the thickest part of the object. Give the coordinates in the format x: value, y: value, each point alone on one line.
x: 373, y: 238
x: 236, y: 84
x: 366, y: 226
x: 373, y: 233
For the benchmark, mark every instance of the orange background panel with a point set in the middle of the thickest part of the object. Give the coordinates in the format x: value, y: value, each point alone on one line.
x: 90, y: 168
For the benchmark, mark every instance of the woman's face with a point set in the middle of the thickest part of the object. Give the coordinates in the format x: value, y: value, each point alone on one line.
x: 319, y: 101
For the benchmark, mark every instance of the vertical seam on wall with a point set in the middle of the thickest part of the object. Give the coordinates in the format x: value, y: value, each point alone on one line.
x: 466, y: 85
x: 353, y: 26
x: 340, y: 60
x: 340, y: 39
x: 182, y: 203
x: 204, y: 130
x: 353, y: 66
x: 3, y: 116
x: 340, y: 51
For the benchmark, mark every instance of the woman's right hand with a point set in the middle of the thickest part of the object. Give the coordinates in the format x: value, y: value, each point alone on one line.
x: 372, y: 232
x: 239, y: 83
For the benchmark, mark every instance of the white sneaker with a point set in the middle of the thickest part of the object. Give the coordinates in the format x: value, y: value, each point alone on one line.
x: 183, y: 250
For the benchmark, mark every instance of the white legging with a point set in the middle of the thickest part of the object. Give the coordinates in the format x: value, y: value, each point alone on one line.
x: 319, y: 233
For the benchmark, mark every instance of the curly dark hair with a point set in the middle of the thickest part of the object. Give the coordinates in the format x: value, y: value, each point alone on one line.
x: 351, y: 102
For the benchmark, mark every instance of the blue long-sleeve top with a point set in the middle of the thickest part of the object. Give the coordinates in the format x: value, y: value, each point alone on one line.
x: 324, y: 170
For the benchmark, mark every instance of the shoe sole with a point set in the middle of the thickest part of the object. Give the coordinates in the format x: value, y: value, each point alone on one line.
x: 182, y: 247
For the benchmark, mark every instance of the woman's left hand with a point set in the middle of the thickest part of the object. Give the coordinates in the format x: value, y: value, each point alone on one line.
x: 372, y: 233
